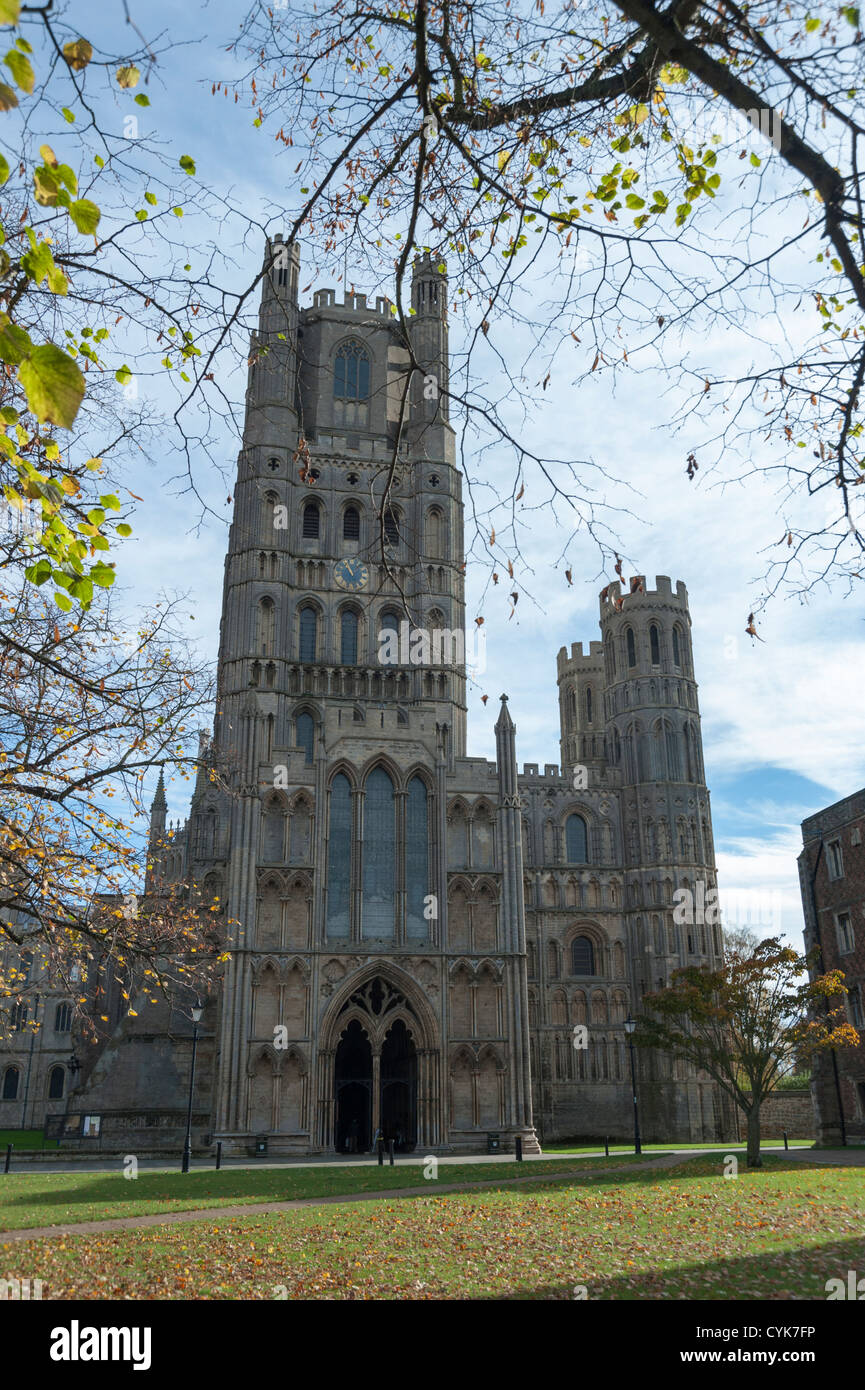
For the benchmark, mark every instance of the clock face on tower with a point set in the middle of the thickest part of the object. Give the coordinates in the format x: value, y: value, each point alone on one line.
x: 351, y: 575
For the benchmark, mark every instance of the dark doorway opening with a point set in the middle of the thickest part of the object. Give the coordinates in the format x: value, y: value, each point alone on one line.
x: 353, y: 1089
x: 399, y: 1088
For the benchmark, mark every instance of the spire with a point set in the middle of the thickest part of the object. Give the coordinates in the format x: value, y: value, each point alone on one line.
x: 504, y: 720
x: 158, y: 809
x: 506, y: 752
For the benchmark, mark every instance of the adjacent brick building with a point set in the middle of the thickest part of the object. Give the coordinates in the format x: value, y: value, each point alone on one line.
x: 832, y: 877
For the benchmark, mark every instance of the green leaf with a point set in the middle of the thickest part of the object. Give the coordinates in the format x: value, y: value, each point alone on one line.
x: 123, y: 375
x: 128, y: 76
x: 4, y: 169
x: 103, y: 575
x: 21, y: 69
x: 82, y: 589
x: 633, y: 201
x: 15, y: 344
x: 141, y: 214
x: 178, y: 212
x: 151, y: 199
x: 811, y: 25
x: 63, y: 601
x: 851, y: 14
x: 78, y: 53
x: 85, y: 215
x: 9, y: 11
x: 68, y: 115
x: 187, y: 164
x: 53, y: 384
x: 756, y: 161
x: 123, y: 529
x: 8, y: 99
x: 142, y: 100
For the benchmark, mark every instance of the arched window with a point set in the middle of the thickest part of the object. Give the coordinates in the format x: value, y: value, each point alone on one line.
x: 305, y: 734
x: 434, y: 529
x: 339, y: 858
x: 677, y: 655
x: 351, y: 524
x: 655, y: 644
x: 56, y: 1083
x: 273, y: 832
x: 388, y: 638
x: 348, y: 638
x: 10, y: 1083
x: 612, y: 659
x: 416, y: 859
x: 379, y: 856
x: 265, y: 627
x: 308, y: 634
x: 391, y: 527
x: 583, y: 956
x: 632, y: 647
x: 311, y: 521
x: 588, y: 704
x: 62, y: 1018
x: 351, y: 372
x: 576, y: 840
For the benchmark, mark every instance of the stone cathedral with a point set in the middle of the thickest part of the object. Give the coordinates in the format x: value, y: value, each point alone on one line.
x: 414, y: 933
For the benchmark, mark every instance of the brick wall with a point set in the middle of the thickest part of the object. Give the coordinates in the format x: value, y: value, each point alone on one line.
x: 792, y: 1111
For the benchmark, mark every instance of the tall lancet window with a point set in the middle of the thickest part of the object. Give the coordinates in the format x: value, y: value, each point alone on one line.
x: 576, y: 840
x: 379, y: 857
x: 308, y: 634
x: 339, y: 859
x: 351, y: 383
x: 265, y: 635
x: 416, y: 860
x: 348, y: 638
x: 305, y: 735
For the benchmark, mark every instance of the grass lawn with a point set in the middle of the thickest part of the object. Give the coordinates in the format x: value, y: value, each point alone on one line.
x: 685, y: 1232
x: 54, y: 1199
x: 24, y: 1139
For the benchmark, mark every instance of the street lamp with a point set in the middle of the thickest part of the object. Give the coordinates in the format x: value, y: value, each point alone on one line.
x: 197, y: 1011
x: 630, y: 1025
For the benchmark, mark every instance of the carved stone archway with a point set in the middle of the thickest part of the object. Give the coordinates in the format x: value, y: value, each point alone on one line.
x: 385, y: 1002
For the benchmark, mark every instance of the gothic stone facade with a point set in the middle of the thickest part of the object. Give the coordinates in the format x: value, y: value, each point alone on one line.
x: 415, y: 933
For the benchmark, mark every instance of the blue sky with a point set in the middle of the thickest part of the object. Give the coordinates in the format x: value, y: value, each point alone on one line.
x: 780, y: 716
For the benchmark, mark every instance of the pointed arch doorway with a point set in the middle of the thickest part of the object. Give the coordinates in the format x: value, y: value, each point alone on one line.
x: 376, y: 1070
x: 352, y: 1084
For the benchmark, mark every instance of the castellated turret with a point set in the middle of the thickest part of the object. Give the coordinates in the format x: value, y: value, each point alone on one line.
x: 653, y: 740
x: 581, y: 681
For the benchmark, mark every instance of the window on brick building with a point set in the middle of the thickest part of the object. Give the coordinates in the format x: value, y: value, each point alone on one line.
x: 844, y: 928
x: 836, y: 862
x: 854, y: 1004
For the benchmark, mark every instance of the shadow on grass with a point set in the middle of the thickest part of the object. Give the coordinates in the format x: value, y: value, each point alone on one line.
x: 800, y: 1273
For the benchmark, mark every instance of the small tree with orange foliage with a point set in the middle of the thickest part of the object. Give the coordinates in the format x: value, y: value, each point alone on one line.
x: 744, y: 1022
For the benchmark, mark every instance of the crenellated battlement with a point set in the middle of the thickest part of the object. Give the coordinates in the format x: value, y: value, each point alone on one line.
x: 353, y: 302
x: 617, y: 596
x: 590, y: 661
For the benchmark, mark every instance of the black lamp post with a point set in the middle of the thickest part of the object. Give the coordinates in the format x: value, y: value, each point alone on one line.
x: 197, y: 1011
x: 630, y: 1025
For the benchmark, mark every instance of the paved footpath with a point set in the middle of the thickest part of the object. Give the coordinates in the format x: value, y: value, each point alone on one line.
x: 840, y: 1157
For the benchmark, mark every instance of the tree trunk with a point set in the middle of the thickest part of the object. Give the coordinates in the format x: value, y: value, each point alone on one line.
x: 753, y: 1152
